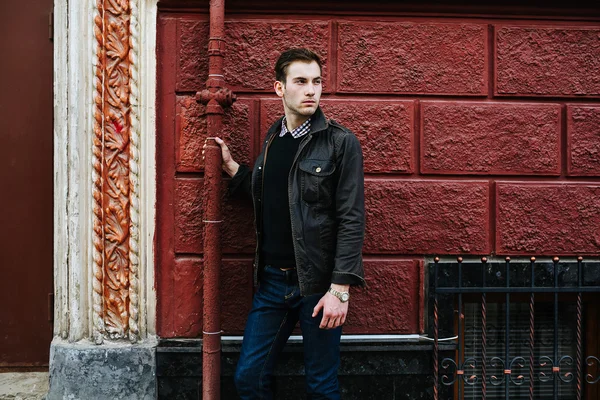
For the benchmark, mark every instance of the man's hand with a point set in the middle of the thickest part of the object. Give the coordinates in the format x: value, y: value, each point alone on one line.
x: 229, y: 165
x: 334, y: 311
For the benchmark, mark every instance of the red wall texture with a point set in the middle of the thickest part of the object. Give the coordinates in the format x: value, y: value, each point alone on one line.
x: 481, y: 136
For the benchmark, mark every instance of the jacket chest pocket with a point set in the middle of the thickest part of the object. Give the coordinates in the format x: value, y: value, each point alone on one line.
x: 317, y: 181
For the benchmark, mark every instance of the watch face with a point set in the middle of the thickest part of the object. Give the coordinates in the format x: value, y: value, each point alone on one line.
x: 345, y: 297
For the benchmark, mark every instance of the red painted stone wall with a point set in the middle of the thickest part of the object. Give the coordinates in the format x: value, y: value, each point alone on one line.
x: 481, y: 136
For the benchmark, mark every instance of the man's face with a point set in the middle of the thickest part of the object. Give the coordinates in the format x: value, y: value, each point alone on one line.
x: 302, y: 89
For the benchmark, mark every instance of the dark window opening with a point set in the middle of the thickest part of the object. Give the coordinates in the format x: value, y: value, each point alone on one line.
x: 519, y: 337
x: 544, y: 345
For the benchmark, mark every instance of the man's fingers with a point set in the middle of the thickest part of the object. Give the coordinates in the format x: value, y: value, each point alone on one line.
x: 317, y: 308
x: 222, y: 143
x: 325, y: 320
x: 334, y: 312
x: 224, y: 149
x: 219, y: 141
x: 323, y: 324
x: 332, y: 323
x: 331, y: 319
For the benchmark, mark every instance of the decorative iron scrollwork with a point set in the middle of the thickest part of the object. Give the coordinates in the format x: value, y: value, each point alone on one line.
x: 591, y: 361
x: 454, y: 371
x: 447, y: 363
x: 566, y: 377
x: 496, y: 362
x: 519, y: 362
x: 471, y: 379
x: 563, y: 374
x: 546, y: 361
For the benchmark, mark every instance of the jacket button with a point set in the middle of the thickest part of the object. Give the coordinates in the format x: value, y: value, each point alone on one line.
x: 318, y: 169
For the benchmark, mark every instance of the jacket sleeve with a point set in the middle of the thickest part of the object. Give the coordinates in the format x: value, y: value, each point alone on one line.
x: 349, y: 213
x: 241, y: 183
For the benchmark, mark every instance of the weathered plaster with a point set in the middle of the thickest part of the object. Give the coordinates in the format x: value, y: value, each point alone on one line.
x: 72, y: 100
x: 61, y: 239
x: 147, y: 112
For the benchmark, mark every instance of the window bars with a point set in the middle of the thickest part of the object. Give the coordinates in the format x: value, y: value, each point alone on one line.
x: 493, y: 367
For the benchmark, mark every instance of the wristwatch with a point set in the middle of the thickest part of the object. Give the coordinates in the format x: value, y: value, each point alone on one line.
x: 343, y: 296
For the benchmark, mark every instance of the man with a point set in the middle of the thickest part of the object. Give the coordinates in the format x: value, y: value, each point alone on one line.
x: 307, y: 189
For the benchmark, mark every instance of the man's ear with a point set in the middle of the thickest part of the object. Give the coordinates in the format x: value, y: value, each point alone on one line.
x: 278, y: 88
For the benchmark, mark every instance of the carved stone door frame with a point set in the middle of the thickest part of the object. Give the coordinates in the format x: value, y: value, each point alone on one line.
x: 104, y: 192
x: 104, y: 155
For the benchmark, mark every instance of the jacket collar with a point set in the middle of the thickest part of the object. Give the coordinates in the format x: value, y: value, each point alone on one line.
x: 318, y: 123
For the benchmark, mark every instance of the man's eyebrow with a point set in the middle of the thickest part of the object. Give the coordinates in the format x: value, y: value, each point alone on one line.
x: 305, y: 78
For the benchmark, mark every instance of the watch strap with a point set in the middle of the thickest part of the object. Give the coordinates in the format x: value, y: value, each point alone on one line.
x: 340, y: 295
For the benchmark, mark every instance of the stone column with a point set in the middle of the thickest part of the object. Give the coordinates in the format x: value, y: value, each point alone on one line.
x: 104, y: 200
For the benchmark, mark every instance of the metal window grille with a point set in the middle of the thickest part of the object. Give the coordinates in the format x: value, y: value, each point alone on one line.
x: 518, y: 345
x: 517, y: 329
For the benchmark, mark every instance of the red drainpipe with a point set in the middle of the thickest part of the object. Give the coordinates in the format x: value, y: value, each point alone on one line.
x: 216, y: 97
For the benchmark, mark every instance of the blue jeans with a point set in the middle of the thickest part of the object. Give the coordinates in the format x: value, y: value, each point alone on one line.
x: 276, y: 308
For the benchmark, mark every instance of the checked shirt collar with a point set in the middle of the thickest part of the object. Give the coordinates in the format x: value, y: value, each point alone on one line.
x: 296, y: 133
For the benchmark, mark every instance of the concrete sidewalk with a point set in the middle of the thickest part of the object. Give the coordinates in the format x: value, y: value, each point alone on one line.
x: 23, y: 385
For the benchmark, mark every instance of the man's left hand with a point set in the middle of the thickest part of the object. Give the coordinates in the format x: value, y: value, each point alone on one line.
x: 334, y: 311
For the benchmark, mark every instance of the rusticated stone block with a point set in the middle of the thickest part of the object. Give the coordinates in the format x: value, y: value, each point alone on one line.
x: 426, y: 217
x: 551, y: 219
x: 254, y: 46
x: 191, y: 132
x: 384, y: 128
x: 252, y: 50
x: 237, y: 231
x: 547, y: 61
x: 236, y: 296
x: 490, y: 138
x: 391, y: 301
x: 270, y: 111
x: 187, y: 298
x: 583, y: 129
x: 192, y: 54
x: 188, y: 208
x: 407, y: 57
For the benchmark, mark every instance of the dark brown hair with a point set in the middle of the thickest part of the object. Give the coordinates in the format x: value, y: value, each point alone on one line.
x: 291, y: 55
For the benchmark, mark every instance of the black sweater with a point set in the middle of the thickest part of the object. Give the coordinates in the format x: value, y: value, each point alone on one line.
x: 277, y: 244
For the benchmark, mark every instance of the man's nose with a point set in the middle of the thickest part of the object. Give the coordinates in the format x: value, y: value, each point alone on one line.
x: 310, y: 89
